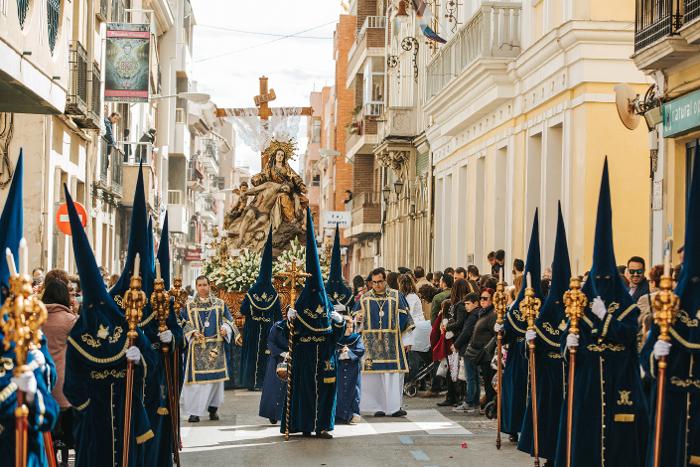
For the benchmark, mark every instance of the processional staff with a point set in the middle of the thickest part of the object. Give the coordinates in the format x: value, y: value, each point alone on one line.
x: 22, y: 317
x: 575, y: 302
x: 499, y: 303
x: 180, y: 301
x: 666, y: 305
x: 160, y: 301
x: 292, y: 278
x: 530, y: 306
x: 134, y: 301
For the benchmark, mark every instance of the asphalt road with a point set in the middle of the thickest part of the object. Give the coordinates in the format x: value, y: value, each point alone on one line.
x: 428, y: 436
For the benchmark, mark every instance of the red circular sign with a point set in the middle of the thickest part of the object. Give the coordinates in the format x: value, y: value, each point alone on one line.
x: 62, y: 217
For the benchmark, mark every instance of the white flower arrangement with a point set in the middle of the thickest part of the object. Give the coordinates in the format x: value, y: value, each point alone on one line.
x: 239, y: 274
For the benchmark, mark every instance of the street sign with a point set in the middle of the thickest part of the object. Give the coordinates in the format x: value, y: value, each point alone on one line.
x: 329, y: 219
x: 682, y: 114
x: 62, y: 217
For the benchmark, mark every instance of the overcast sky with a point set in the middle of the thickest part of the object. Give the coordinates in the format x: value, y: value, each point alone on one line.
x: 236, y: 42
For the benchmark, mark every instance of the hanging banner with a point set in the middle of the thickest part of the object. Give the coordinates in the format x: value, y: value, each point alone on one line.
x: 127, y: 65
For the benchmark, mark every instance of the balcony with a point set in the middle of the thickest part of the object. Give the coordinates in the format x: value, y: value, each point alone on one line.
x: 362, y: 132
x: 178, y: 219
x: 366, y: 215
x: 492, y: 33
x: 661, y: 35
x: 102, y: 12
x: 209, y: 158
x: 370, y: 42
x: 91, y: 118
x: 77, y: 98
x: 400, y: 121
x: 110, y: 177
x: 182, y: 134
x: 195, y: 176
x: 130, y: 174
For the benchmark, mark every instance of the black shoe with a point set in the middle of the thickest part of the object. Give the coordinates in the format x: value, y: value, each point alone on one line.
x: 399, y: 413
x: 513, y: 438
x: 379, y: 414
x: 445, y: 403
x: 272, y: 421
x: 306, y: 434
x: 324, y: 435
x: 212, y: 413
x: 193, y: 419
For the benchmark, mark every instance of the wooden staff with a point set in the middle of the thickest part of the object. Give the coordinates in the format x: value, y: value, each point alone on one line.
x: 134, y: 301
x: 22, y: 317
x: 499, y: 303
x: 180, y: 301
x: 666, y: 305
x: 530, y: 306
x: 575, y: 302
x: 160, y: 301
x: 292, y: 278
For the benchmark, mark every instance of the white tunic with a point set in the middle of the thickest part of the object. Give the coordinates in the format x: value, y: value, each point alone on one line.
x: 381, y: 392
x: 197, y: 398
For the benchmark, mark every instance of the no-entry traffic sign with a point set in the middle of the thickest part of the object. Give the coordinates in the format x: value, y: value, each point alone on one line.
x: 62, y: 217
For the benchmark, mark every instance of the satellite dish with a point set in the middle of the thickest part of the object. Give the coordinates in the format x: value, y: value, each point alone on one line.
x: 625, y: 99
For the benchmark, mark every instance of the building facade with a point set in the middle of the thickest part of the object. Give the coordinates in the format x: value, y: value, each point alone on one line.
x: 521, y: 113
x: 666, y: 48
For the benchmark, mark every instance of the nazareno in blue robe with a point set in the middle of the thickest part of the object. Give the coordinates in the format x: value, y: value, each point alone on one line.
x: 348, y: 385
x: 549, y: 363
x: 274, y: 390
x: 261, y: 308
x: 43, y: 413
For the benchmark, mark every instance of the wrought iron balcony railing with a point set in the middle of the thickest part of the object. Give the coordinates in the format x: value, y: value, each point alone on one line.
x: 656, y: 19
x: 77, y: 97
x: 53, y: 12
x: 692, y: 10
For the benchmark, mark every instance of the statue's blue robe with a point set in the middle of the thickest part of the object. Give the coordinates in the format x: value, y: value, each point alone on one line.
x: 274, y: 390
x: 610, y: 424
x: 159, y: 449
x: 314, y: 375
x: 43, y: 413
x: 515, y: 373
x: 550, y: 391
x: 96, y: 388
x: 258, y: 321
x: 680, y: 435
x: 348, y: 386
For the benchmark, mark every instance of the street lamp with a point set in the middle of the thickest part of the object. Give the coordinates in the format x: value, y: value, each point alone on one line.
x: 398, y: 186
x: 196, y: 97
x: 386, y: 192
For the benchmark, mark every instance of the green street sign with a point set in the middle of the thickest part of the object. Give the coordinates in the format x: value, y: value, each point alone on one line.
x: 682, y: 114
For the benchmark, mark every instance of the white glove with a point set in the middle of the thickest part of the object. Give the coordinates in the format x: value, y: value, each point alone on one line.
x: 444, y: 322
x: 498, y: 327
x: 661, y: 349
x: 166, y: 336
x: 530, y: 335
x: 291, y: 314
x: 339, y: 308
x: 449, y: 335
x: 571, y: 340
x: 38, y: 357
x: 26, y: 382
x: 598, y: 308
x: 337, y: 317
x: 133, y: 354
x: 228, y: 331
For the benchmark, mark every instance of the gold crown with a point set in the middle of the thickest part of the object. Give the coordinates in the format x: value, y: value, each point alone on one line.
x: 289, y: 147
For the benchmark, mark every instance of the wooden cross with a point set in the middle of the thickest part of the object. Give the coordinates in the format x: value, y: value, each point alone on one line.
x: 262, y: 109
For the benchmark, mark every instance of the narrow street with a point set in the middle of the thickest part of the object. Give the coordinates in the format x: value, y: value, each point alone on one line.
x: 427, y: 437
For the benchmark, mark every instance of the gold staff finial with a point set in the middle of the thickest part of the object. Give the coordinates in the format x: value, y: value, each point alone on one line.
x: 530, y: 306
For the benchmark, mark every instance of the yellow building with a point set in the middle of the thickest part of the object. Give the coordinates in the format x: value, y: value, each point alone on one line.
x: 667, y: 48
x: 521, y: 113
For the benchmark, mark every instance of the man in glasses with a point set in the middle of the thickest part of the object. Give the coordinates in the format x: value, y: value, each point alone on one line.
x: 639, y: 286
x: 383, y: 319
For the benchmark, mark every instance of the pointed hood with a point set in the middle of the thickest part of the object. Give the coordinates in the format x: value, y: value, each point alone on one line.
x: 338, y: 292
x: 532, y: 264
x: 100, y: 332
x: 604, y: 279
x: 262, y: 295
x: 552, y: 310
x: 11, y: 226
x: 151, y: 246
x: 688, y: 288
x: 164, y: 253
x: 141, y: 242
x: 313, y: 305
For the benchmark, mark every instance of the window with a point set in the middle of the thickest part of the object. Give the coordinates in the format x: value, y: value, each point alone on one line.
x: 22, y: 11
x: 53, y: 14
x: 316, y: 131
